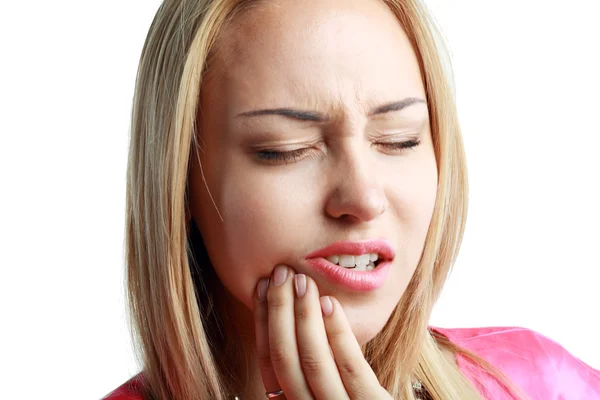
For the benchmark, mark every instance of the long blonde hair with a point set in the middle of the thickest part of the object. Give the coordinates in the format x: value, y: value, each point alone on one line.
x: 170, y: 293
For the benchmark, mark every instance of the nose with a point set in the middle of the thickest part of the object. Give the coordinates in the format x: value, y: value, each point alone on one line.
x: 357, y: 195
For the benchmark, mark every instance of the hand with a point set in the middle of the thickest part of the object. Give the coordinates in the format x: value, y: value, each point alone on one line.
x: 305, y: 344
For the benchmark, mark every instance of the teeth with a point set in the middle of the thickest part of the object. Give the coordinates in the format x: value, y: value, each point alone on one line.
x: 364, y: 262
x: 333, y: 259
x: 369, y: 267
x: 347, y: 261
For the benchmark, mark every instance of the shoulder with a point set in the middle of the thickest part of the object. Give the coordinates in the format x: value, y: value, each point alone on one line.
x: 130, y: 390
x: 484, y: 337
x: 539, y: 365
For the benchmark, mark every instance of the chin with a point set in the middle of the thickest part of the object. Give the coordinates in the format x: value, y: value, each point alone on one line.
x: 364, y: 333
x: 365, y: 322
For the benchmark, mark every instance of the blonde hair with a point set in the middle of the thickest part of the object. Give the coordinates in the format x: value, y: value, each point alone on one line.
x: 170, y: 294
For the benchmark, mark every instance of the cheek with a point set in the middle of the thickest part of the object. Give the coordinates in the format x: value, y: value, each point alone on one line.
x: 261, y: 224
x: 412, y: 200
x: 412, y: 197
x: 419, y: 214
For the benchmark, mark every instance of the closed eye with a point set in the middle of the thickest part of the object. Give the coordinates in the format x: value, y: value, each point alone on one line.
x: 272, y: 156
x: 281, y: 156
x: 400, y: 146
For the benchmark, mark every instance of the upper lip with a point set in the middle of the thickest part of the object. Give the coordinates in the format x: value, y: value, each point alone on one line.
x: 378, y: 246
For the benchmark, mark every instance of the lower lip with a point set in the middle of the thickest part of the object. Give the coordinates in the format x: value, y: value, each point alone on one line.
x: 362, y: 281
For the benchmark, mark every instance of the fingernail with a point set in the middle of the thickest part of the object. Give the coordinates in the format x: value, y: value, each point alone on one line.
x: 326, y: 305
x: 300, y: 283
x: 279, y: 275
x: 261, y: 289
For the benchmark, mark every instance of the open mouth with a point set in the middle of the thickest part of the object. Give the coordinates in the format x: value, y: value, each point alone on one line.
x: 345, y: 261
x: 363, y: 262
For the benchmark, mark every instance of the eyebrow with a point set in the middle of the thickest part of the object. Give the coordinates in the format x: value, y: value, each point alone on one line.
x: 315, y: 116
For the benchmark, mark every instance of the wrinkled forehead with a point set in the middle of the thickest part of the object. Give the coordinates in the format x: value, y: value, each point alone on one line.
x: 315, y: 53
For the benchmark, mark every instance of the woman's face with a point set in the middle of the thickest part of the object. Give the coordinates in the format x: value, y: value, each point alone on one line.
x: 322, y: 167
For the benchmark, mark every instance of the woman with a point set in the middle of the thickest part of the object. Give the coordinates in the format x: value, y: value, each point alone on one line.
x: 297, y: 195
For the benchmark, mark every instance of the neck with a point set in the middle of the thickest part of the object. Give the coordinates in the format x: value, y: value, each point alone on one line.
x: 239, y: 348
x: 231, y: 328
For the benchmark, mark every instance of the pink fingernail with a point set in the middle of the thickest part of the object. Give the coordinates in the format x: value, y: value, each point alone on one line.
x: 261, y: 288
x: 326, y: 305
x: 300, y: 283
x: 280, y: 275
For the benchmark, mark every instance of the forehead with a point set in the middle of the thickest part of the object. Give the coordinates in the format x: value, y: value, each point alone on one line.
x: 322, y: 54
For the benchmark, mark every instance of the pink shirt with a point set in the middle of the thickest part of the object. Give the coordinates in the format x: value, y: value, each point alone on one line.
x: 537, y: 364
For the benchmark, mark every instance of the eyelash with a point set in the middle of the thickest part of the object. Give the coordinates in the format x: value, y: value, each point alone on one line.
x: 292, y: 156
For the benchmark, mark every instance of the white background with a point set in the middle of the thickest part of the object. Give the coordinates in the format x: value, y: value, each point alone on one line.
x: 528, y: 85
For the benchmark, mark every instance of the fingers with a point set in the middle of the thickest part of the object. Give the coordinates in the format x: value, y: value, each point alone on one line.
x: 282, y: 335
x: 261, y: 329
x: 305, y: 344
x: 315, y: 357
x: 359, y: 379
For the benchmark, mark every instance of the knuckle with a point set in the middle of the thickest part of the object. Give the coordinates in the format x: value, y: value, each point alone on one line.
x: 302, y: 314
x: 280, y: 358
x: 360, y: 393
x: 275, y: 300
x: 264, y: 362
x: 336, y: 334
x: 311, y: 364
x: 349, y: 367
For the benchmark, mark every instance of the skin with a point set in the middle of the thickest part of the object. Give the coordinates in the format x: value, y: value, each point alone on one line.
x: 340, y: 61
